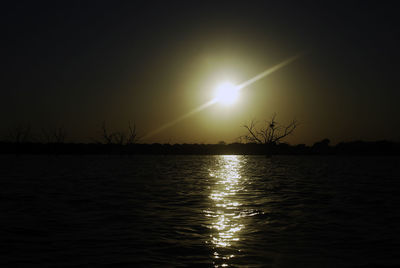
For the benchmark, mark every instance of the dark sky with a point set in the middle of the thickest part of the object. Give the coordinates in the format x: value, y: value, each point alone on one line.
x: 76, y: 64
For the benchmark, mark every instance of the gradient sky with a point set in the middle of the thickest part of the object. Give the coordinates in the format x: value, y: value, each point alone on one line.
x: 75, y: 64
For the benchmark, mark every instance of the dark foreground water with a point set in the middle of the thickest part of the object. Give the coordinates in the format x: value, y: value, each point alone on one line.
x: 199, y: 211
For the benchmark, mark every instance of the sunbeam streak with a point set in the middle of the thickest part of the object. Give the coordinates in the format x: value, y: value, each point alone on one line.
x: 269, y: 71
x: 215, y: 100
x: 174, y: 122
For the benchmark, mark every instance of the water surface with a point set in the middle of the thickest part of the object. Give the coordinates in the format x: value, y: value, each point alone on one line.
x: 204, y: 211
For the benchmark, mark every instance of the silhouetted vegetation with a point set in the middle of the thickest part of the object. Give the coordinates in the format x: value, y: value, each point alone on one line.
x: 119, y: 137
x: 118, y: 142
x: 20, y: 134
x: 57, y: 135
x: 52, y: 141
x: 270, y: 134
x: 319, y: 148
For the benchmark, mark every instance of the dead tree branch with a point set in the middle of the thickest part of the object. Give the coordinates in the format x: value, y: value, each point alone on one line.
x: 20, y: 134
x: 108, y: 138
x: 56, y: 135
x: 271, y: 133
x: 132, y: 135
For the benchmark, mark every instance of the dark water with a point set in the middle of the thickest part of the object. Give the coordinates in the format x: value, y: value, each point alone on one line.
x: 199, y: 211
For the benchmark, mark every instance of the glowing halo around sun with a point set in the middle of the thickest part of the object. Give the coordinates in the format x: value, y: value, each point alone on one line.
x: 226, y: 93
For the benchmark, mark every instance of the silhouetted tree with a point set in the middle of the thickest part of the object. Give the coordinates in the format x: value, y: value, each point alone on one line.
x: 56, y: 135
x: 54, y: 139
x: 108, y: 138
x: 119, y: 138
x: 132, y: 135
x: 20, y: 134
x: 59, y: 135
x: 270, y: 134
x: 321, y: 146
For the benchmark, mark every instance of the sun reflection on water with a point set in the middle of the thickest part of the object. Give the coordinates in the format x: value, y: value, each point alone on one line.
x: 224, y: 211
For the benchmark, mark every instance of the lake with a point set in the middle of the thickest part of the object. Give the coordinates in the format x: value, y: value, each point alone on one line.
x: 199, y: 211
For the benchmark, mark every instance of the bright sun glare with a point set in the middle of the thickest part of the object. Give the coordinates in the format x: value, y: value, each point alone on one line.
x: 227, y: 93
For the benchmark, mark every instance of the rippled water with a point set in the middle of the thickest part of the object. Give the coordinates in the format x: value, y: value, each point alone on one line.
x: 202, y: 211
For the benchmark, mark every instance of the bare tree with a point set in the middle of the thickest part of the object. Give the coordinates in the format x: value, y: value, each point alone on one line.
x: 107, y: 137
x: 132, y: 135
x: 59, y: 135
x: 56, y: 135
x: 271, y: 133
x: 120, y: 137
x: 20, y: 134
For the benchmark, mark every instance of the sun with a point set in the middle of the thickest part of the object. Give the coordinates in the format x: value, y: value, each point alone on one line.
x: 226, y: 93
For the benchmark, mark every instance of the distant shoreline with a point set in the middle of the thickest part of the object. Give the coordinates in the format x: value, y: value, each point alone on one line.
x: 343, y: 148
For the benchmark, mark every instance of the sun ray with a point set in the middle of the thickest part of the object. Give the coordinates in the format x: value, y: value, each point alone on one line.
x: 179, y: 119
x: 269, y: 71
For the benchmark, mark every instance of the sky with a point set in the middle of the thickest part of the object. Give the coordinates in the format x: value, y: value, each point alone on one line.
x: 77, y: 64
